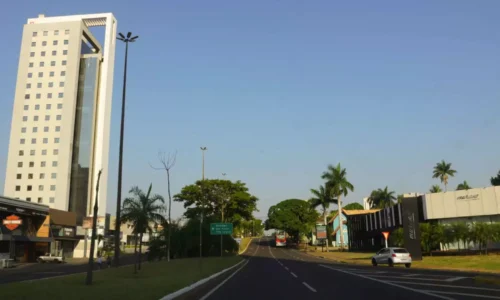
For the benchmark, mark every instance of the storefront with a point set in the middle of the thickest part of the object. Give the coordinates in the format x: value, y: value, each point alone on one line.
x: 63, y: 230
x: 24, y: 231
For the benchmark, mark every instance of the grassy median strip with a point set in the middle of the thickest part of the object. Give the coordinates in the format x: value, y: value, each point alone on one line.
x: 470, y: 263
x: 154, y: 281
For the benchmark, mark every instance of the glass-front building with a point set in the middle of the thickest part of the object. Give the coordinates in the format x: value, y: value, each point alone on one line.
x: 83, y: 138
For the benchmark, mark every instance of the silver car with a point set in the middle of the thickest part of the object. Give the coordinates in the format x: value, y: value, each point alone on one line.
x: 392, y: 256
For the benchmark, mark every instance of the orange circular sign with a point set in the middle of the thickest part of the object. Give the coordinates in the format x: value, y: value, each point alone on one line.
x: 12, y: 222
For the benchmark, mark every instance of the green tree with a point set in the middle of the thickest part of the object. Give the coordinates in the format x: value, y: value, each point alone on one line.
x: 400, y: 198
x: 322, y: 198
x: 482, y: 233
x: 449, y: 236
x: 463, y: 186
x: 431, y: 234
x: 226, y: 200
x: 495, y: 180
x: 461, y: 231
x: 354, y: 206
x: 294, y: 216
x: 337, y: 183
x: 141, y: 210
x: 435, y: 189
x: 382, y: 198
x: 396, y: 238
x: 443, y: 171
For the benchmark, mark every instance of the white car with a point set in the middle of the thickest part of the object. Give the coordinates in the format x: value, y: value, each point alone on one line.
x: 50, y: 258
x: 392, y: 256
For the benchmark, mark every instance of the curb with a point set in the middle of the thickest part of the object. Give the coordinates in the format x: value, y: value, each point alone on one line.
x: 251, y: 239
x: 198, y: 283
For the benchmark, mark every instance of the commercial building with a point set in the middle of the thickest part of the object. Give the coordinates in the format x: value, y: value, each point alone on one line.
x: 337, y: 219
x: 468, y: 206
x: 60, y: 126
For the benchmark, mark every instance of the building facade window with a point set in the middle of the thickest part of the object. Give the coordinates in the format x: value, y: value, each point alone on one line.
x: 19, y: 176
x: 52, y: 187
x: 30, y: 176
x: 42, y: 175
x: 18, y: 188
x: 20, y: 164
x: 52, y: 200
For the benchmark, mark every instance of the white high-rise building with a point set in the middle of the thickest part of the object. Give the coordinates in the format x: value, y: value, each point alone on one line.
x: 60, y: 128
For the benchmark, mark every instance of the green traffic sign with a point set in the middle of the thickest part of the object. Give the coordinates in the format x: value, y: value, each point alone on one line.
x: 221, y: 228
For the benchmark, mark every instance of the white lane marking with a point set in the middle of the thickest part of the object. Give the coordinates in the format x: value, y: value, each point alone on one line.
x: 309, y: 287
x: 454, y: 279
x: 286, y: 268
x: 447, y: 286
x: 465, y: 294
x: 223, y: 282
x: 399, y: 277
x: 293, y: 274
x: 389, y: 283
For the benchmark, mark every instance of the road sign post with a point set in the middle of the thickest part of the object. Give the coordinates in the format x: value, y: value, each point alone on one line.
x: 221, y: 228
x: 386, y: 236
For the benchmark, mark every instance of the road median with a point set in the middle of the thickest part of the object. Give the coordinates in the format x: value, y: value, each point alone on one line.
x: 489, y: 264
x: 154, y: 281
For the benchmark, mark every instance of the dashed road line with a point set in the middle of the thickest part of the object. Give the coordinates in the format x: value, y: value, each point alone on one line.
x: 389, y: 283
x: 308, y: 286
x: 454, y: 279
x: 293, y: 274
x: 286, y: 268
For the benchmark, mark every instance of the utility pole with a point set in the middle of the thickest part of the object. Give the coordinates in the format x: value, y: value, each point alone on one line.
x: 90, y: 267
x: 222, y: 217
x: 203, y: 149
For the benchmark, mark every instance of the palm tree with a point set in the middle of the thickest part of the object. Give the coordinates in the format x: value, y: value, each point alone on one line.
x: 141, y: 210
x: 495, y: 180
x: 382, y: 198
x: 463, y: 186
x: 435, y: 189
x: 443, y: 171
x: 322, y: 197
x: 338, y: 185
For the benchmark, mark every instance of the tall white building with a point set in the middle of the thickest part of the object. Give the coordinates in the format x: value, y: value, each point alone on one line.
x: 60, y: 128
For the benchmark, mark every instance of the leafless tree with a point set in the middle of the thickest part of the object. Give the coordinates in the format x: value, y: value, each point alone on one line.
x: 167, y: 162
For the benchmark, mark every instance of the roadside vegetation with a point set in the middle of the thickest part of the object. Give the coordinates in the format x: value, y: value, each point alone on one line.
x: 154, y: 281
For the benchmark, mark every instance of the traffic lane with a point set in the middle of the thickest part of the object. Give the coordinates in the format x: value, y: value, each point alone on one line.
x: 450, y: 285
x: 329, y: 283
x: 426, y: 285
x: 261, y: 278
x: 48, y: 270
x: 401, y: 269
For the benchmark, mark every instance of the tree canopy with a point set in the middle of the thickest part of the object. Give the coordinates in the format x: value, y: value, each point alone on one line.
x: 435, y: 189
x: 463, y: 186
x: 495, y: 180
x: 353, y: 206
x: 443, y: 171
x: 381, y: 198
x: 293, y: 215
x: 216, y: 197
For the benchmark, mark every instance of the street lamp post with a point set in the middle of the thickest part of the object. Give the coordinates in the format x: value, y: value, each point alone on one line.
x: 203, y: 149
x: 126, y: 40
x: 222, y: 218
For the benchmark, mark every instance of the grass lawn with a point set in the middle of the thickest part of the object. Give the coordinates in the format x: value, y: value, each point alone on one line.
x: 244, y: 243
x: 154, y: 281
x: 482, y: 263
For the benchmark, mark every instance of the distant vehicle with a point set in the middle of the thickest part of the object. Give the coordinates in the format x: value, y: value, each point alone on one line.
x: 392, y: 256
x: 280, y: 239
x: 50, y: 258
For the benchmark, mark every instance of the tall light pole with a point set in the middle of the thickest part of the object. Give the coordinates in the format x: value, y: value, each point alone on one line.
x: 203, y: 149
x: 222, y: 218
x: 126, y: 40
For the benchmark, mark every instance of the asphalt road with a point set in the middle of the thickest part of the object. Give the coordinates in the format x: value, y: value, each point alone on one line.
x: 276, y: 273
x: 37, y: 271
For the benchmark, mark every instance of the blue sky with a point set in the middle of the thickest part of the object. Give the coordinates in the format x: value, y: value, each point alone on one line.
x: 277, y: 90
